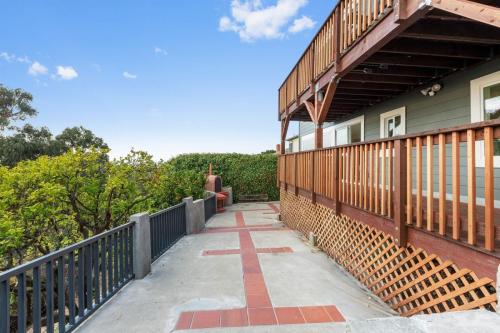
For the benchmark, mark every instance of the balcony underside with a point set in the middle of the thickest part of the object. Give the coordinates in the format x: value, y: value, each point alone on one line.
x: 435, y: 46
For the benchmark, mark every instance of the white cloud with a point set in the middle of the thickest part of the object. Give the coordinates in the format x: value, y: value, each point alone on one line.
x: 160, y: 51
x: 129, y: 76
x: 37, y: 68
x: 301, y: 24
x: 252, y: 21
x: 66, y: 72
x: 11, y: 57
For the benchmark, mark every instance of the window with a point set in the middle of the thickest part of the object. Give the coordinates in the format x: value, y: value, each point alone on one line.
x: 307, y: 142
x: 328, y: 137
x: 351, y: 131
x: 485, y: 105
x: 393, y: 123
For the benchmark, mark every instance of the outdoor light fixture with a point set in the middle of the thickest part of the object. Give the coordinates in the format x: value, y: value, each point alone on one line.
x: 432, y: 90
x: 321, y: 95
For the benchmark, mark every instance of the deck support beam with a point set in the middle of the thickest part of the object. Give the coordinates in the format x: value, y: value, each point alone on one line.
x: 284, y: 129
x: 472, y: 10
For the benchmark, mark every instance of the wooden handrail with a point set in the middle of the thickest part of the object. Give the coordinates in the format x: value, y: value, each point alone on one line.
x: 344, y: 27
x: 446, y: 131
x: 377, y: 177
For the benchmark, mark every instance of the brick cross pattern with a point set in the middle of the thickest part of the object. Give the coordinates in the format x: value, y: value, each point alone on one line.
x: 259, y: 309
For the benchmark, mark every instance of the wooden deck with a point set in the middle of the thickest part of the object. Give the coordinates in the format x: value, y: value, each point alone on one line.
x: 355, y: 180
x: 369, y: 51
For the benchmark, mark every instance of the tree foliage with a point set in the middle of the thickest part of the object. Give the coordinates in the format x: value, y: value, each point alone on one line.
x: 51, y: 202
x: 15, y: 105
x: 246, y: 174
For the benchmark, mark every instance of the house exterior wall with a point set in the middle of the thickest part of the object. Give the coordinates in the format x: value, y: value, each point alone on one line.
x: 449, y: 107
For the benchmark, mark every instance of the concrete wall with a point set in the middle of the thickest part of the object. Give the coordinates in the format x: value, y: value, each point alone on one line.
x: 450, y: 107
x: 195, y: 222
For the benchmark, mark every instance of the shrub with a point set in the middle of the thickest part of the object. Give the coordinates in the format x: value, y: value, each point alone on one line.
x: 246, y: 174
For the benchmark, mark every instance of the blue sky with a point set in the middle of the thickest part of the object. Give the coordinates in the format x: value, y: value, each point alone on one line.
x: 163, y: 76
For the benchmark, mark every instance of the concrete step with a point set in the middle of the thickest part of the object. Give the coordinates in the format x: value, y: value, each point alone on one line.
x: 474, y: 321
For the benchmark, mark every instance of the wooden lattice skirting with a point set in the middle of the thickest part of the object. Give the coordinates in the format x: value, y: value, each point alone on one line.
x: 409, y: 279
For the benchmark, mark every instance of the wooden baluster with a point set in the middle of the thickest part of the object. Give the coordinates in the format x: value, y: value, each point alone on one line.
x: 347, y: 174
x: 356, y: 177
x: 369, y: 13
x: 430, y: 183
x: 409, y: 183
x: 349, y: 22
x: 489, y: 196
x: 471, y: 187
x: 362, y: 175
x: 391, y: 175
x: 359, y: 18
x: 340, y: 156
x: 344, y: 178
x: 400, y: 192
x: 371, y: 177
x: 455, y: 174
x: 377, y: 178
x: 351, y: 179
x: 365, y: 178
x: 337, y: 174
x: 384, y: 175
x: 381, y: 7
x: 442, y: 184
x: 363, y: 13
x: 419, y: 182
x: 375, y: 9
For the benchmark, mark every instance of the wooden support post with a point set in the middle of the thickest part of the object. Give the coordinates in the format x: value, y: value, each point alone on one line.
x: 295, y: 182
x: 311, y: 175
x: 400, y: 11
x: 318, y: 136
x: 401, y: 232
x: 335, y: 170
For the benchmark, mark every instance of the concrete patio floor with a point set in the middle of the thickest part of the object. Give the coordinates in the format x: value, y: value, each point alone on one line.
x: 247, y: 272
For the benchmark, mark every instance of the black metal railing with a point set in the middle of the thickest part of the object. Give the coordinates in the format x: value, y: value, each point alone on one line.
x: 210, y: 204
x: 59, y: 290
x: 167, y: 227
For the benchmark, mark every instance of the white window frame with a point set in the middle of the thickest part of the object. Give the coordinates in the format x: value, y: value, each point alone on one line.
x: 397, y: 112
x: 360, y: 119
x: 307, y: 137
x: 477, y: 111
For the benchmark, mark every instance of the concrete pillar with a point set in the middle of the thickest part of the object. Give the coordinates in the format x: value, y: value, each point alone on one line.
x: 229, y: 199
x: 195, y: 215
x: 142, y: 245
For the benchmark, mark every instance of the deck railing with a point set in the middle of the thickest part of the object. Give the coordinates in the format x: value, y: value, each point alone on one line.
x: 166, y: 228
x: 347, y: 23
x: 59, y: 290
x: 210, y: 205
x: 412, y: 180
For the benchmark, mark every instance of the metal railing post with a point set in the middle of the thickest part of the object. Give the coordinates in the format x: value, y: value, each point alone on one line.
x: 141, y: 245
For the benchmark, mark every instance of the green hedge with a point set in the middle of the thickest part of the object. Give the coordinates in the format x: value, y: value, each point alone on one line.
x: 246, y: 174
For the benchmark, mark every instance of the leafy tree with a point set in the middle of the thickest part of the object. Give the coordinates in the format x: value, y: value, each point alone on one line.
x: 28, y: 143
x: 15, y: 105
x: 79, y: 137
x: 51, y: 202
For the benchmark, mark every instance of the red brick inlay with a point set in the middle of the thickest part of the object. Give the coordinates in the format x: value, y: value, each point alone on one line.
x: 285, y: 249
x: 240, y: 222
x: 234, y: 318
x: 291, y: 315
x: 274, y: 208
x: 259, y: 309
